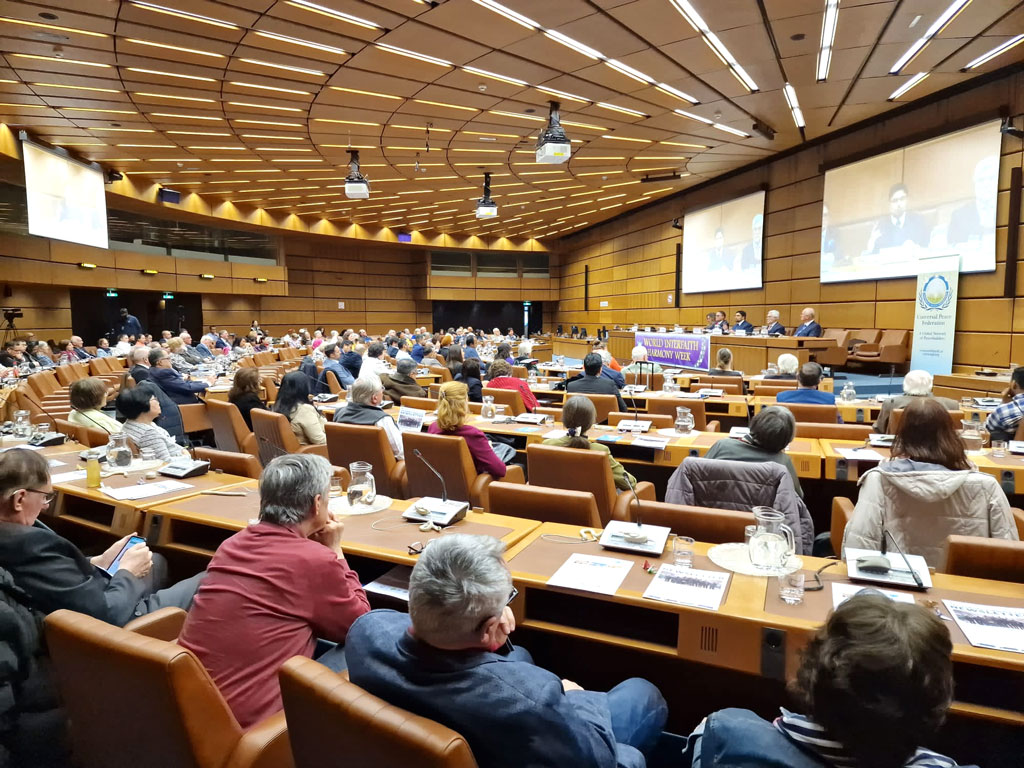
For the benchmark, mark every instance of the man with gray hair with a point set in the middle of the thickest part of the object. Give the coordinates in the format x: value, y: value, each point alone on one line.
x: 916, y: 385
x: 363, y: 407
x: 274, y: 589
x: 401, y: 383
x: 772, y: 325
x: 450, y: 660
x: 640, y: 364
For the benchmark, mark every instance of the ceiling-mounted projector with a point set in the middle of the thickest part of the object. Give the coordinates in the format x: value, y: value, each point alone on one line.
x: 356, y: 185
x: 553, y: 145
x: 485, y: 207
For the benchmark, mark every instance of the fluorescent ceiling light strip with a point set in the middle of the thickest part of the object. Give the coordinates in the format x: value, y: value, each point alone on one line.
x: 628, y: 71
x: 286, y: 67
x: 575, y: 45
x: 71, y: 87
x: 623, y: 110
x: 692, y: 116
x: 270, y: 88
x: 730, y: 129
x: 171, y: 74
x: 561, y: 94
x: 508, y: 13
x: 689, y: 13
x: 365, y: 93
x: 829, y: 23
x: 171, y: 96
x: 516, y: 115
x: 183, y: 117
x: 907, y: 86
x: 997, y: 51
x: 665, y: 88
x: 580, y: 125
x: 493, y: 76
x: 937, y: 26
x: 794, y: 106
x: 184, y: 15
x: 330, y: 12
x: 264, y: 106
x: 178, y: 48
x: 57, y: 27
x: 80, y: 62
x: 413, y: 55
x: 301, y: 42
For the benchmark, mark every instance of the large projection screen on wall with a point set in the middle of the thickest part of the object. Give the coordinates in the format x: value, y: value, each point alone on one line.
x: 65, y: 198
x: 723, y: 246
x: 882, y: 215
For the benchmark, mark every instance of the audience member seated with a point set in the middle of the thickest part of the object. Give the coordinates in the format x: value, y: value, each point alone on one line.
x: 206, y: 346
x: 916, y: 385
x: 1002, y: 423
x: 723, y: 364
x: 350, y: 360
x: 448, y: 660
x: 14, y: 355
x: 470, y: 376
x: 455, y: 360
x: 578, y: 416
x: 363, y: 407
x: 927, y: 491
x: 608, y: 371
x: 138, y: 364
x: 245, y: 393
x: 640, y: 364
x: 175, y: 349
x: 274, y: 589
x: 442, y: 348
x: 123, y: 346
x: 452, y: 412
x: 469, y: 347
x: 524, y: 352
x: 772, y: 323
x: 404, y: 350
x: 103, y: 347
x: 771, y: 431
x: 806, y: 391
x: 141, y: 407
x: 88, y: 396
x: 504, y: 352
x: 593, y: 383
x: 170, y: 381
x: 54, y: 574
x: 609, y: 362
x: 401, y: 383
x: 874, y: 684
x: 502, y: 378
x: 79, y: 350
x: 332, y: 362
x: 373, y: 362
x: 787, y: 365
x: 742, y: 324
x: 40, y: 352
x: 67, y: 353
x: 430, y: 357
x: 808, y: 326
x: 293, y: 401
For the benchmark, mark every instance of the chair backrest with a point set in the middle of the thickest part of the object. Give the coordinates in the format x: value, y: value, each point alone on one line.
x: 668, y: 405
x: 246, y: 362
x: 66, y: 428
x: 229, y: 427
x: 520, y: 372
x: 347, y: 443
x: 243, y: 464
x: 984, y: 558
x: 869, y: 335
x: 510, y: 398
x: 159, y: 686
x: 433, y: 390
x: 92, y: 437
x: 896, y: 419
x: 730, y: 385
x: 449, y: 454
x: 446, y: 374
x: 423, y: 403
x: 603, y: 404
x: 839, y: 334
x: 658, y: 420
x: 549, y: 505
x: 763, y: 390
x: 896, y: 337
x: 333, y: 384
x: 274, y: 434
x: 268, y: 384
x: 826, y: 414
x: 716, y: 526
x: 66, y: 374
x: 43, y: 383
x: 573, y: 469
x: 653, y: 381
x: 324, y: 710
x: 818, y: 429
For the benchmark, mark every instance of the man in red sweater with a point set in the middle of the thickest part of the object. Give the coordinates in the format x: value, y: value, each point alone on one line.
x: 501, y: 377
x: 274, y: 589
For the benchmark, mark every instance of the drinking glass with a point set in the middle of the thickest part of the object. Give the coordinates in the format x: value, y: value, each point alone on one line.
x: 998, y: 448
x: 791, y: 588
x: 499, y: 412
x: 335, y: 486
x: 682, y: 551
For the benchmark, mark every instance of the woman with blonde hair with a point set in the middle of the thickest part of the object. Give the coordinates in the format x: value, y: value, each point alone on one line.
x: 578, y: 416
x: 452, y: 412
x: 88, y: 396
x: 175, y: 346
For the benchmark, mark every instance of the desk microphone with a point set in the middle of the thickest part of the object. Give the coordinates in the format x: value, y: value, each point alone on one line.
x: 444, y: 487
x: 637, y: 537
x: 886, y: 534
x: 50, y: 438
x: 275, y: 450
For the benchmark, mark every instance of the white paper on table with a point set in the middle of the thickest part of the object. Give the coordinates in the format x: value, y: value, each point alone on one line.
x: 67, y: 477
x: 688, y: 586
x: 899, y: 575
x: 651, y: 442
x: 864, y: 454
x: 136, y: 492
x: 554, y: 434
x: 591, y: 573
x: 54, y: 463
x: 843, y: 592
x: 410, y: 419
x: 739, y: 431
x: 1016, y: 446
x: 989, y: 626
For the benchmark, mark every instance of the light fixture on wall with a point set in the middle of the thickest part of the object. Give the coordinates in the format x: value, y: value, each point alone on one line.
x: 149, y: 271
x: 86, y: 265
x: 206, y: 276
x: 259, y: 279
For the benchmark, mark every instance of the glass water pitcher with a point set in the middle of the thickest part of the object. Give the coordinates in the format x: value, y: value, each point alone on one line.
x: 118, y: 452
x: 684, y: 420
x: 362, y: 489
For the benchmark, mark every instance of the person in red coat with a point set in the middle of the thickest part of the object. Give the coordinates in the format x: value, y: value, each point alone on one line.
x: 502, y: 378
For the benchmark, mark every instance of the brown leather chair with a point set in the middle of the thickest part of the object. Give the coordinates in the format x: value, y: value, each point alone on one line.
x: 984, y: 558
x: 93, y: 437
x: 423, y: 403
x: 434, y: 390
x: 43, y: 384
x: 825, y: 414
x: 653, y: 381
x: 510, y: 398
x: 863, y: 336
x: 332, y: 383
x: 244, y: 464
x: 574, y: 469
x: 896, y: 419
x: 162, y: 624
x: 194, y: 417
x: 717, y: 526
x: 891, y: 348
x: 730, y: 385
x: 229, y: 428
x: 549, y: 505
x: 274, y: 436
x: 658, y: 420
x: 270, y: 387
x: 446, y: 374
x: 67, y: 429
x: 246, y: 362
x: 179, y: 716
x: 520, y: 371
x: 668, y: 405
x: 333, y: 722
x: 347, y: 443
x: 836, y: 354
x: 817, y: 430
x: 450, y: 455
x: 842, y: 512
x: 603, y: 404
x: 763, y: 390
x: 1018, y: 518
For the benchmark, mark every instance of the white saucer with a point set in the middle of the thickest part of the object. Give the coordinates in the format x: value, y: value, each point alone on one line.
x: 340, y: 505
x: 736, y: 558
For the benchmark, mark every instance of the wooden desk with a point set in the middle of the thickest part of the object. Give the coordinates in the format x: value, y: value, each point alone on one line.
x: 836, y: 467
x: 853, y: 412
x: 577, y: 348
x: 1008, y: 469
x: 752, y: 632
x: 957, y: 385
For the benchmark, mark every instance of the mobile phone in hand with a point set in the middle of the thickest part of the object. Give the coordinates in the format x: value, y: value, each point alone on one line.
x: 116, y: 564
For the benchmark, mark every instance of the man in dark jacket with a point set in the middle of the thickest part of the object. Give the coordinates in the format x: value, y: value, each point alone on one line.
x: 349, y: 359
x: 363, y: 407
x: 593, y: 383
x: 402, y: 384
x: 129, y: 325
x: 170, y: 381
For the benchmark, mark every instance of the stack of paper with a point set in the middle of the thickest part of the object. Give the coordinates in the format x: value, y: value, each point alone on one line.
x: 591, y: 573
x: 688, y: 586
x: 863, y: 454
x: 989, y: 626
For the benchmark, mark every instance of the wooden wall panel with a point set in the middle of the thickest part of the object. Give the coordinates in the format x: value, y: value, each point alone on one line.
x: 632, y: 258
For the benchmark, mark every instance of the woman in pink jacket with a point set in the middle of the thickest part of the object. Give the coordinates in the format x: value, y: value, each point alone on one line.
x: 452, y: 411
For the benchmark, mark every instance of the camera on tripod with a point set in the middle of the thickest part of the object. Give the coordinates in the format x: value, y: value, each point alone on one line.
x: 12, y: 313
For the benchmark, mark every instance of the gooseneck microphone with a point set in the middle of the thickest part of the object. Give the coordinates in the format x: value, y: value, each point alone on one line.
x: 444, y: 487
x: 885, y: 535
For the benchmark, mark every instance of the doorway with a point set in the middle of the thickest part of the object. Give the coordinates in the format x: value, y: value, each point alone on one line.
x: 95, y: 314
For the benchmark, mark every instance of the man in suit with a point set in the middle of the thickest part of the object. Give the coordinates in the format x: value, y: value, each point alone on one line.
x: 593, y: 383
x: 417, y: 348
x: 401, y: 383
x: 901, y: 227
x: 138, y: 364
x: 350, y: 359
x: 332, y: 362
x: 204, y: 349
x: 54, y: 574
x: 720, y: 323
x: 772, y: 324
x: 752, y: 251
x: 807, y: 381
x: 80, y: 351
x: 188, y: 351
x: 170, y: 381
x: 808, y: 326
x: 975, y: 220
x: 741, y: 323
x: 449, y: 660
x: 916, y: 385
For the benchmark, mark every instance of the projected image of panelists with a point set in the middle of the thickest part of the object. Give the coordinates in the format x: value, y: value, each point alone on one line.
x: 723, y: 246
x: 65, y: 198
x: 883, y: 215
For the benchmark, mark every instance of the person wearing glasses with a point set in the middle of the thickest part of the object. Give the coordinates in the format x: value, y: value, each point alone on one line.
x: 449, y: 659
x: 141, y: 408
x: 52, y: 573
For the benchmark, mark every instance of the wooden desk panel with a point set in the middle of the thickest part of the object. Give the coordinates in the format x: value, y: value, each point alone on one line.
x: 837, y: 467
x: 577, y: 348
x: 957, y: 385
x: 853, y: 412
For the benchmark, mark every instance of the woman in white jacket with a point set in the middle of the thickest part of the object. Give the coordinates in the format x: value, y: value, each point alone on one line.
x: 927, y: 491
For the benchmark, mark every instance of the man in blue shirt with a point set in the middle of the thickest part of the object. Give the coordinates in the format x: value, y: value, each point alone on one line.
x: 1002, y: 423
x: 454, y: 664
x: 470, y: 350
x: 129, y: 325
x: 806, y: 391
x: 350, y: 359
x: 417, y: 348
x: 741, y: 323
x: 808, y: 327
x: 332, y: 362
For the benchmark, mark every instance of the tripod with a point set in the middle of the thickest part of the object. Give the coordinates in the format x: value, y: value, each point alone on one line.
x: 10, y: 331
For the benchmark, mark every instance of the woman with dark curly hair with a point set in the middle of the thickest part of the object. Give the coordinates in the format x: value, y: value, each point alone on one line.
x: 874, y: 683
